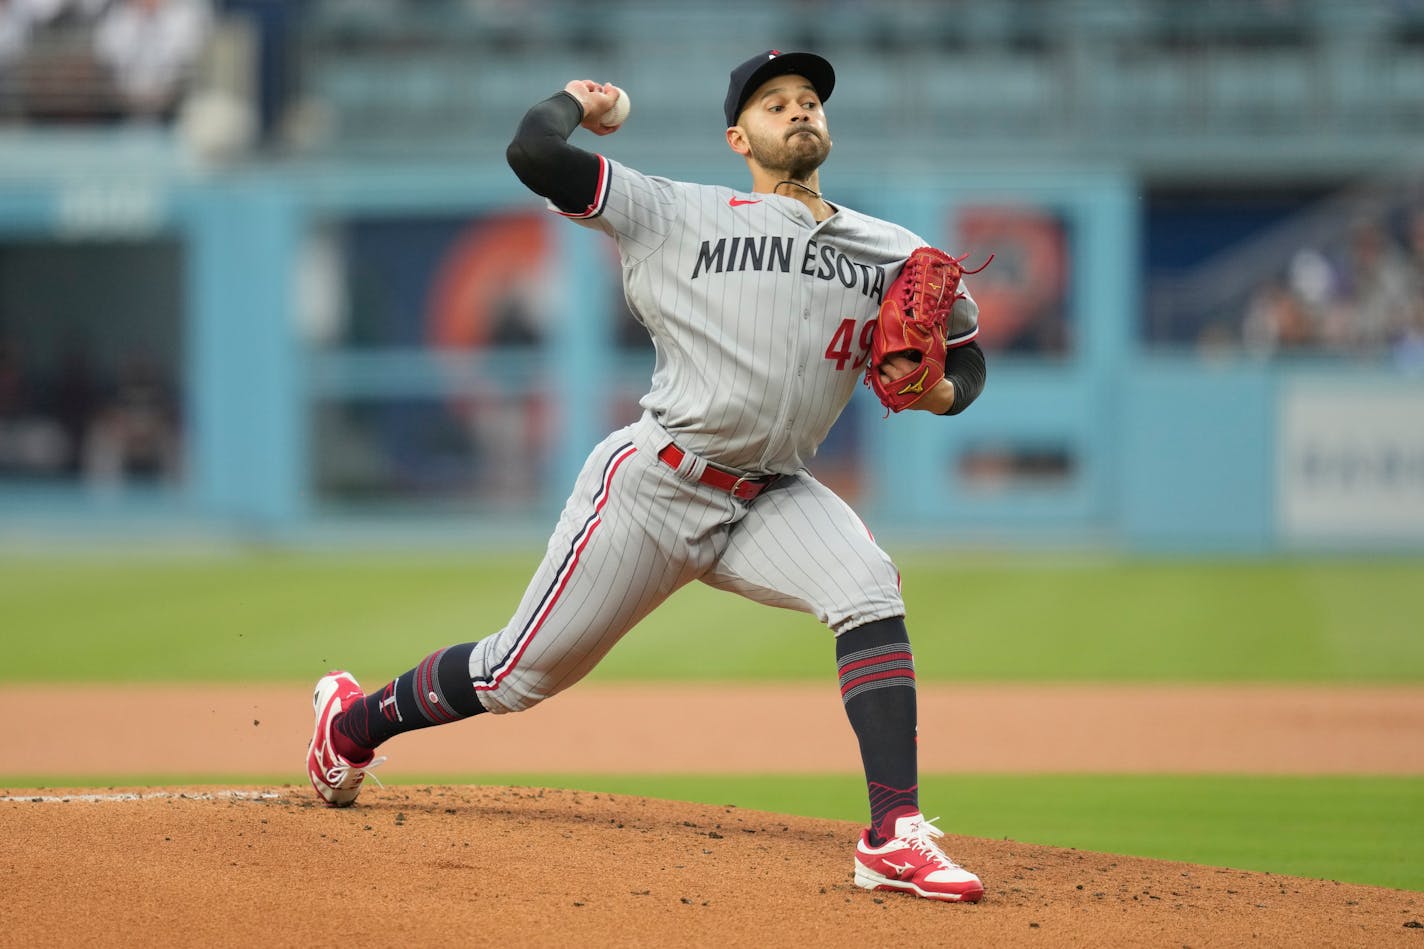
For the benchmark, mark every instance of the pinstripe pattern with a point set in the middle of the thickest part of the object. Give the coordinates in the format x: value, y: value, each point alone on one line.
x: 760, y: 316
x: 802, y: 547
x: 797, y: 545
x: 561, y: 578
x: 743, y: 333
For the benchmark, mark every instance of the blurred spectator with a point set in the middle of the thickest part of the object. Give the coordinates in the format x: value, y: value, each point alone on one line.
x: 72, y: 424
x: 31, y: 443
x: 19, y: 21
x: 1409, y: 348
x: 49, y: 69
x: 1381, y: 290
x: 135, y: 433
x: 1364, y: 297
x: 74, y: 401
x: 276, y: 26
x: 151, y: 48
x: 1314, y: 278
x: 1415, y: 236
x: 42, y: 14
x: 1278, y: 321
x: 15, y: 26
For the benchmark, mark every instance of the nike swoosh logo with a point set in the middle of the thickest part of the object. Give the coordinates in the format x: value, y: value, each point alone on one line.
x: 738, y: 202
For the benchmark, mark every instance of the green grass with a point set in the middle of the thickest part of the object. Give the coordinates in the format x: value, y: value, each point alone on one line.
x: 1352, y: 829
x: 1357, y: 830
x: 283, y: 617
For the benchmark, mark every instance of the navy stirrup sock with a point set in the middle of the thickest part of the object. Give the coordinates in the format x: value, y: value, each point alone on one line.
x: 877, y: 676
x: 436, y: 692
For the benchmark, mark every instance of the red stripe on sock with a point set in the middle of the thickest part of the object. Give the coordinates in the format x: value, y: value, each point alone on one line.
x: 876, y: 677
x: 425, y: 687
x: 887, y: 657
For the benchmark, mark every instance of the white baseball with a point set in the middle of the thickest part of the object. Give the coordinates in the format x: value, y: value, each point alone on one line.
x: 617, y: 113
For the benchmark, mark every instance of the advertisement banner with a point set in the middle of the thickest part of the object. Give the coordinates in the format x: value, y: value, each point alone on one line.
x: 1351, y: 461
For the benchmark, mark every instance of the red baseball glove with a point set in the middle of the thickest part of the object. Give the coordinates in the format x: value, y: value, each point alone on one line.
x: 913, y: 322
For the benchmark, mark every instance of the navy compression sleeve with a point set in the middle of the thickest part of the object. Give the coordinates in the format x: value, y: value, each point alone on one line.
x: 542, y: 158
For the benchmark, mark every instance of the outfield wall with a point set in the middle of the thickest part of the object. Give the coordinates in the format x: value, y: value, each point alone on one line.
x: 423, y: 349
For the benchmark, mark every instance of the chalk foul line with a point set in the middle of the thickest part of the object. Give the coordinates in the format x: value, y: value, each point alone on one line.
x: 142, y: 796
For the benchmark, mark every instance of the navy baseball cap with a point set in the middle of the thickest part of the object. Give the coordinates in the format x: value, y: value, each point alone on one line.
x: 749, y: 76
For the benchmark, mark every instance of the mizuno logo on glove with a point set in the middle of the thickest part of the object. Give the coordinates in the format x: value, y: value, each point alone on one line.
x: 918, y: 385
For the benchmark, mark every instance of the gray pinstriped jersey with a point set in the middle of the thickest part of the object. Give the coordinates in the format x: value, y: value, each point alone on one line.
x: 759, y: 316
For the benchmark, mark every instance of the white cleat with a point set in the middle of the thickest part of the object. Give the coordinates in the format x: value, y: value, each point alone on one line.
x: 336, y: 779
x: 912, y: 862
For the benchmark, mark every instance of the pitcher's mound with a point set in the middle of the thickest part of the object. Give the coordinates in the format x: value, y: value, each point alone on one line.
x: 527, y: 866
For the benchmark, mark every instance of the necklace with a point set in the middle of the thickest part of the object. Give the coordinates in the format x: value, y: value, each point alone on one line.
x: 797, y: 184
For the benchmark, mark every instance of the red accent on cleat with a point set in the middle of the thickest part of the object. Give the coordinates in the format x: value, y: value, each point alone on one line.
x: 337, y: 779
x: 913, y: 862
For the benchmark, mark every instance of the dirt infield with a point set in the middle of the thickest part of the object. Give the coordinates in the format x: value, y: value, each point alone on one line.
x: 528, y: 867
x: 430, y: 865
x: 690, y: 729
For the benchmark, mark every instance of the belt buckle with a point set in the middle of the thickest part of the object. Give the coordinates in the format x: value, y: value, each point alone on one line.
x: 752, y: 488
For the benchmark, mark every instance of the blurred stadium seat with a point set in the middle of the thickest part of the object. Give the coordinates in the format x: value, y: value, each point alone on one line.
x: 1194, y: 164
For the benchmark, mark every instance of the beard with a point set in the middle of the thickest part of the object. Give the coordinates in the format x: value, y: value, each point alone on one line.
x: 795, y: 155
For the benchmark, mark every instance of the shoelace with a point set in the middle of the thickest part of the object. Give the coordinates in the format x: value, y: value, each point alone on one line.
x: 336, y: 775
x: 922, y: 837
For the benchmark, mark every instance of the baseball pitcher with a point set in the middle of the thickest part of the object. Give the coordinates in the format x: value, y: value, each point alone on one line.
x: 767, y: 307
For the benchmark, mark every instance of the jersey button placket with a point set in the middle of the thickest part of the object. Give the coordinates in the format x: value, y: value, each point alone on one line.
x: 805, y: 316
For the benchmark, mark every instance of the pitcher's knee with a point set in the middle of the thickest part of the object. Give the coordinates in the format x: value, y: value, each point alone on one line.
x: 512, y: 674
x: 515, y: 693
x: 876, y: 604
x: 858, y: 618
x: 508, y: 678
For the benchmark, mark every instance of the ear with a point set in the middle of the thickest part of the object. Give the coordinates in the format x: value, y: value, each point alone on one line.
x: 737, y: 141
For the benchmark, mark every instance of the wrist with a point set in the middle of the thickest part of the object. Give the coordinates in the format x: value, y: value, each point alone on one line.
x: 938, y: 400
x: 582, y: 106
